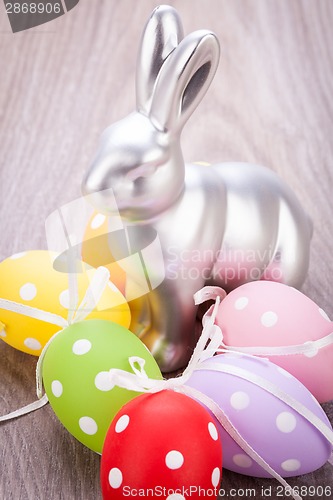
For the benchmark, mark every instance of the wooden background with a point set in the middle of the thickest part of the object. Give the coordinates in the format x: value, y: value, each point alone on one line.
x: 62, y: 83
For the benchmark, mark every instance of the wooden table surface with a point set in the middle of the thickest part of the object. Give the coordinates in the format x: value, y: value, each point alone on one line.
x: 63, y: 82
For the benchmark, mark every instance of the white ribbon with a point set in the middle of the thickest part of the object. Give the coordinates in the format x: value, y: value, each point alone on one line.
x: 209, y: 293
x: 275, y: 391
x: 78, y: 313
x: 33, y: 312
x: 206, y: 347
x: 307, y: 349
x: 26, y: 409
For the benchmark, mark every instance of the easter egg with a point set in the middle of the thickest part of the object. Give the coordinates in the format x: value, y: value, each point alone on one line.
x: 75, y: 375
x: 265, y: 313
x: 165, y: 443
x: 288, y: 442
x: 30, y: 279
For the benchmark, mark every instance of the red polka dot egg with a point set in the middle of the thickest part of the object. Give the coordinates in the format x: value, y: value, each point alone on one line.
x: 269, y: 314
x: 29, y: 278
x: 165, y: 443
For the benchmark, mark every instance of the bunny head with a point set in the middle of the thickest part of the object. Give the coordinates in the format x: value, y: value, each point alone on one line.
x: 140, y: 156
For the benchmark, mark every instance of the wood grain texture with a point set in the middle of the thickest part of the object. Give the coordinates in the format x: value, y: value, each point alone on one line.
x: 62, y: 83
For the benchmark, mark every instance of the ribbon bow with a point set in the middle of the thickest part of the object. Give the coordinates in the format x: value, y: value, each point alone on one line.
x: 208, y: 344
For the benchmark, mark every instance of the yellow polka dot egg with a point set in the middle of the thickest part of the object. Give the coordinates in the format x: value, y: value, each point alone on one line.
x: 29, y: 278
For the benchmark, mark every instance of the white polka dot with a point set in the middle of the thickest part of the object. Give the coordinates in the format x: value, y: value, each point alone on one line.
x: 18, y: 255
x: 213, y: 431
x: 115, y: 478
x: 286, y: 422
x: 324, y: 314
x: 284, y: 372
x: 269, y: 319
x: 32, y: 344
x: 28, y: 291
x: 103, y: 381
x: 291, y: 465
x: 174, y: 460
x: 239, y: 400
x: 314, y: 350
x: 3, y: 333
x: 81, y: 346
x: 241, y: 460
x: 241, y: 303
x: 56, y: 388
x: 88, y: 425
x: 97, y: 221
x: 64, y: 299
x: 175, y: 496
x: 122, y: 423
x: 216, y: 476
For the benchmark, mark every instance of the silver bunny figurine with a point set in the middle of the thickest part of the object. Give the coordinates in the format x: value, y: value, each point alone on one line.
x: 224, y: 224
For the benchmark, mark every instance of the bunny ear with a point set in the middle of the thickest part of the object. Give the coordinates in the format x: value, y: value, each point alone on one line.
x: 184, y: 80
x: 161, y: 35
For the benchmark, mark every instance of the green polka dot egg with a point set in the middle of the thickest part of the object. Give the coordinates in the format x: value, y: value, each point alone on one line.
x: 29, y: 278
x: 76, y: 379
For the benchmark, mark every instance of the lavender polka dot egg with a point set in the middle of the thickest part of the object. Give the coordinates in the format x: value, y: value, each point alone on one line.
x: 288, y: 442
x: 269, y: 314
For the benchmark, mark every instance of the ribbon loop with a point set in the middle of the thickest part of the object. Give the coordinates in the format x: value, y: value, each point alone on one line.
x: 209, y: 293
x: 141, y: 362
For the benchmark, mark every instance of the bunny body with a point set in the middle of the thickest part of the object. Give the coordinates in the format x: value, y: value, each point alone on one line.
x: 225, y: 224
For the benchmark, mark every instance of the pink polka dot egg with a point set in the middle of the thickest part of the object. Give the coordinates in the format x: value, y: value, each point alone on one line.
x: 286, y: 440
x: 270, y: 314
x: 29, y: 278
